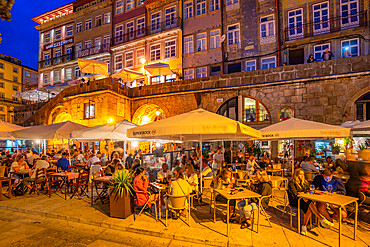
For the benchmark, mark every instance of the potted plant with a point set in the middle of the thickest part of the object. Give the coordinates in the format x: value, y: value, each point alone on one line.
x: 121, y: 196
x: 335, y: 149
x: 364, y: 152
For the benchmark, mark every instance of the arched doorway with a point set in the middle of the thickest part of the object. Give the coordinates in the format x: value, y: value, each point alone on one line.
x: 62, y: 117
x: 147, y: 113
x: 363, y: 107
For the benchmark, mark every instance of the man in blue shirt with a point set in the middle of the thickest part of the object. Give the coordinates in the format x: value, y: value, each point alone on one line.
x: 63, y: 162
x: 322, y: 182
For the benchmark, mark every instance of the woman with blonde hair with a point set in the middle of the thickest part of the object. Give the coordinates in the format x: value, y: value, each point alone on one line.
x: 191, y: 177
x: 224, y: 181
x: 299, y: 184
x: 262, y: 187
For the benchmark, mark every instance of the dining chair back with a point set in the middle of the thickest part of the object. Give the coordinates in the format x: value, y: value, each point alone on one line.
x: 178, y: 203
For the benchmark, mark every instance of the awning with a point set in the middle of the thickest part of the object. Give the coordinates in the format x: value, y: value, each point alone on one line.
x: 157, y: 69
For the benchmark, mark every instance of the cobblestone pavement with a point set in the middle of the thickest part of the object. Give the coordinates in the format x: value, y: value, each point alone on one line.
x: 33, y: 220
x: 18, y: 230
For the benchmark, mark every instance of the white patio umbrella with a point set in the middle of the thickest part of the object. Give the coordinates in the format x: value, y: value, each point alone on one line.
x: 49, y: 132
x: 299, y: 129
x: 128, y: 75
x: 198, y: 125
x: 93, y: 66
x: 6, y: 130
x: 362, y: 128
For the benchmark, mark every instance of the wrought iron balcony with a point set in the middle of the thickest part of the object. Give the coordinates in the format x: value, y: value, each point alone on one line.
x: 74, y: 55
x: 153, y: 29
x: 310, y: 29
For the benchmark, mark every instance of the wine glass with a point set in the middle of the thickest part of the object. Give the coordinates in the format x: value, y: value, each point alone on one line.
x: 312, y: 188
x: 330, y: 187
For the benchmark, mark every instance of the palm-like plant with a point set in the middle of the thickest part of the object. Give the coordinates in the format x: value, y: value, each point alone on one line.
x: 121, y: 182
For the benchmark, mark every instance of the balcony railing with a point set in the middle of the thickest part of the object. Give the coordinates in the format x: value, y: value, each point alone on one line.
x: 74, y: 55
x: 157, y: 28
x: 326, y: 26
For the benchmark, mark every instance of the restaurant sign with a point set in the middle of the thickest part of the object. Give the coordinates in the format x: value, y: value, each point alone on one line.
x: 58, y: 44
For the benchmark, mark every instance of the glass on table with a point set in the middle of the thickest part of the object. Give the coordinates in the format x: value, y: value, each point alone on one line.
x: 312, y: 188
x: 330, y: 188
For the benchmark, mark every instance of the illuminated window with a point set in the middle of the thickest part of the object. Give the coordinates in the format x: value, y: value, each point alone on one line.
x: 47, y: 37
x: 285, y: 113
x: 140, y: 53
x: 214, y: 5
x: 188, y: 45
x: 350, y: 48
x: 130, y: 30
x: 106, y: 18
x: 229, y: 109
x: 201, y: 7
x: 140, y: 26
x: 188, y: 74
x: 89, y: 110
x: 119, y: 6
x: 58, y: 34
x: 201, y: 42
x: 254, y: 111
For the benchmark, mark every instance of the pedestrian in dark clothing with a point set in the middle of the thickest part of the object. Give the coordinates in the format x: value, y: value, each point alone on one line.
x: 311, y: 59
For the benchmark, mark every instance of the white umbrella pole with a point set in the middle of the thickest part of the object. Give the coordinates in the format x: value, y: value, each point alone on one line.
x: 109, y: 150
x: 293, y: 154
x: 44, y: 146
x: 201, y: 164
x: 124, y: 152
x: 17, y: 145
x: 69, y: 151
x: 150, y: 148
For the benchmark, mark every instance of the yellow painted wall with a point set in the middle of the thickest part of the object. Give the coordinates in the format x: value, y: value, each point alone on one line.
x: 6, y: 89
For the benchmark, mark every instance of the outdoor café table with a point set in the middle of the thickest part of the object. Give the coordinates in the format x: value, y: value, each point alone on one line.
x: 162, y: 188
x: 331, y: 198
x: 239, y: 195
x: 2, y: 179
x: 65, y: 176
x: 95, y: 181
x: 23, y: 173
x: 275, y: 171
x: 277, y: 181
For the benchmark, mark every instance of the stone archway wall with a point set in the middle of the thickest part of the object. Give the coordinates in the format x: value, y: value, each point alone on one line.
x: 350, y: 107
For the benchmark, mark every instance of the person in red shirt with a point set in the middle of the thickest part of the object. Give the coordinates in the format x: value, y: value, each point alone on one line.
x: 141, y: 183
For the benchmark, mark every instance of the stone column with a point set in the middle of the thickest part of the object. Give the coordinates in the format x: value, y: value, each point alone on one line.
x: 274, y: 149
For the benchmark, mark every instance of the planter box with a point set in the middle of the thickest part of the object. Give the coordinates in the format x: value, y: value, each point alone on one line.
x: 364, y: 154
x: 121, y: 207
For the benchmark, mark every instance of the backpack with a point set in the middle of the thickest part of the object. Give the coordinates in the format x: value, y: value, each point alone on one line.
x: 18, y: 190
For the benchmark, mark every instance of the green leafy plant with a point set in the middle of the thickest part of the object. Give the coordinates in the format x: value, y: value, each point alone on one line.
x: 362, y: 146
x: 121, y: 182
x: 347, y: 141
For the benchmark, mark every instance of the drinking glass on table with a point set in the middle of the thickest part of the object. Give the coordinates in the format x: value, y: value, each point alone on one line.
x: 330, y: 188
x: 312, y: 188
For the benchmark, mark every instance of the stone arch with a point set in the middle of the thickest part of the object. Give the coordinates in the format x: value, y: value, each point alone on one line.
x: 55, y: 112
x: 62, y: 117
x: 147, y: 113
x: 349, y: 111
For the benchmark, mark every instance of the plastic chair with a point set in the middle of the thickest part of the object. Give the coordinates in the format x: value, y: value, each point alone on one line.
x: 178, y: 203
x: 280, y: 196
x: 145, y: 205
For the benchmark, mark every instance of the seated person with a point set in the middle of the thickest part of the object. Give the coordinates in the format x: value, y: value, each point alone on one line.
x: 252, y: 165
x: 40, y: 164
x: 18, y: 165
x: 264, y: 164
x: 179, y: 188
x: 224, y: 180
x: 322, y: 182
x: 141, y: 182
x: 308, y: 165
x: 262, y: 187
x: 164, y: 174
x: 135, y: 164
x: 63, y: 163
x: 339, y: 166
x: 329, y: 162
x: 74, y: 160
x: 92, y: 160
x: 103, y: 159
x: 300, y: 184
x: 176, y: 167
x: 207, y: 170
x: 111, y: 168
x: 191, y: 177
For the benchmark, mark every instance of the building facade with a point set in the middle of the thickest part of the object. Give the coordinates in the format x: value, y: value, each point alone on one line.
x: 81, y: 29
x: 14, y: 77
x: 341, y: 26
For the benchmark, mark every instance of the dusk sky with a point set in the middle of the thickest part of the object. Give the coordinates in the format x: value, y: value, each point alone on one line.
x: 20, y: 37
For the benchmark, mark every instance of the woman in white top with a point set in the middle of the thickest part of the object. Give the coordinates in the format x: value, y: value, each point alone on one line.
x: 179, y: 188
x: 191, y: 177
